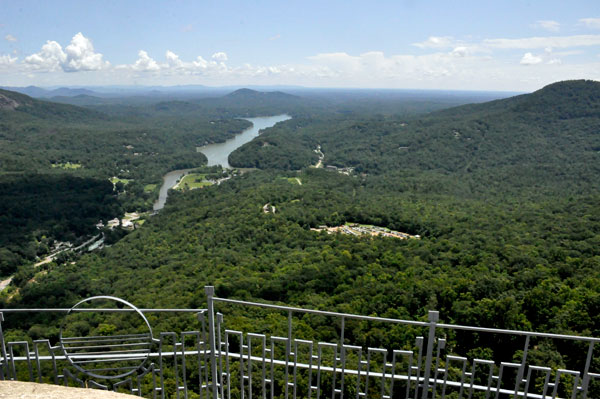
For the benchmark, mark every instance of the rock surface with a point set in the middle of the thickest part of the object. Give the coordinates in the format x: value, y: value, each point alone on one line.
x: 7, y: 103
x: 32, y: 390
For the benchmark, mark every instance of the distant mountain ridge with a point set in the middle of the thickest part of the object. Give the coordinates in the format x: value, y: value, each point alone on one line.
x: 22, y: 104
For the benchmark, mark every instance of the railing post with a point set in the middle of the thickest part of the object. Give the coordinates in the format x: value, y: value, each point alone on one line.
x: 434, y: 317
x: 210, y: 292
x: 3, y: 374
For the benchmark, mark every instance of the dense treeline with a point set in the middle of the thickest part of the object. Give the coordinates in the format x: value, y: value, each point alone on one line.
x: 36, y: 210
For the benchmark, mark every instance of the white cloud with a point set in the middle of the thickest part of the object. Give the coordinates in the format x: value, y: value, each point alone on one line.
x: 593, y: 23
x: 460, y: 51
x: 50, y: 58
x: 543, y: 42
x: 436, y: 42
x: 173, y: 60
x: 220, y: 56
x: 79, y: 55
x: 10, y: 38
x: 7, y: 60
x: 552, y: 26
x: 145, y: 63
x: 530, y: 59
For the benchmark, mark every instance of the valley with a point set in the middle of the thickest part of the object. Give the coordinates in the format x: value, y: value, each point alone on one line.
x: 506, y: 211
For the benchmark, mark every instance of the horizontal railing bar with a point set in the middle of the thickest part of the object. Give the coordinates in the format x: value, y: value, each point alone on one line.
x: 107, y: 338
x: 115, y: 368
x: 132, y: 351
x: 111, y: 359
x: 108, y: 310
x: 313, y: 311
x: 75, y: 348
x: 322, y: 312
x: 518, y: 332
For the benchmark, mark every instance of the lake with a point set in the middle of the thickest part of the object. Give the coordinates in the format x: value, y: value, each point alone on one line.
x: 218, y: 153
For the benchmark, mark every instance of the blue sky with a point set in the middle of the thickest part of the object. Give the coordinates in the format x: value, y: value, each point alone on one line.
x: 470, y: 45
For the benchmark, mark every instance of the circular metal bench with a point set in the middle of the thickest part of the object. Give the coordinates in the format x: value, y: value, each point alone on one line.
x: 111, y: 352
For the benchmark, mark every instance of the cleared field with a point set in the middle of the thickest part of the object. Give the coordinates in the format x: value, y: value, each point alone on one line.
x: 192, y: 181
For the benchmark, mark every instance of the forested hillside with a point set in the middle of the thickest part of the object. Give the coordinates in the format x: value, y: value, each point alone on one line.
x: 546, y: 140
x: 504, y: 196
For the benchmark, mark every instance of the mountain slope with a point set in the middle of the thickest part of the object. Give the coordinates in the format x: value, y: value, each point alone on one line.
x: 549, y: 138
x: 23, y: 104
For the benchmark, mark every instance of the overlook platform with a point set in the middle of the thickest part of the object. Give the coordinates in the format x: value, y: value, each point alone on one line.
x: 108, y: 343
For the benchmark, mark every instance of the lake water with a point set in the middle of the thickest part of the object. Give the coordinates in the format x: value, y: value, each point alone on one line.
x: 218, y: 153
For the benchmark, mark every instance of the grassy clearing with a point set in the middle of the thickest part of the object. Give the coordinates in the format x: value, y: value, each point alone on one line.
x: 115, y: 180
x: 192, y: 181
x: 67, y: 165
x: 148, y: 188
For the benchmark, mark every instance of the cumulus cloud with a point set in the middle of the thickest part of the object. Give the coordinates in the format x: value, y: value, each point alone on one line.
x: 530, y: 59
x: 549, y: 25
x: 7, y: 60
x: 145, y: 63
x: 220, y: 57
x: 50, y: 58
x: 10, y: 38
x: 79, y: 55
x: 593, y: 23
x: 173, y: 60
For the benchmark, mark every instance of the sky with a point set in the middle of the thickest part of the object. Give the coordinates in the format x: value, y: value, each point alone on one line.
x: 509, y: 45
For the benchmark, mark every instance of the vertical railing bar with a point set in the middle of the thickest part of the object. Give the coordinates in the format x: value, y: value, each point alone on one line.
x: 586, y: 370
x: 264, y: 367
x: 473, y: 372
x: 227, y: 370
x: 335, y: 364
x: 288, y: 347
x: 210, y: 292
x: 272, y: 379
x: 419, y: 343
x: 546, y: 381
x: 489, y: 383
x: 393, y: 373
x: 220, y: 383
x: 183, y: 368
x: 522, y: 368
x: 368, y: 372
x: 441, y: 345
x: 36, y: 352
x: 242, y: 389
x: 295, y: 369
x: 343, y: 368
x: 383, y: 371
x: 249, y: 363
x: 574, y: 391
x: 310, y: 369
x: 319, y: 361
x: 526, y: 390
x: 202, y: 360
x: 434, y: 317
x: 3, y: 353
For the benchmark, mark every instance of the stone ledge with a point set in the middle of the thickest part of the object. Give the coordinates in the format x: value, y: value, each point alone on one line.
x: 33, y: 390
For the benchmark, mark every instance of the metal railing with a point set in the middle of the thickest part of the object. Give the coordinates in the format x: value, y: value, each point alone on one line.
x: 397, y: 359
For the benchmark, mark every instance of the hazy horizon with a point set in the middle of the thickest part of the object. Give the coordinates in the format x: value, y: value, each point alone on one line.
x: 508, y: 46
